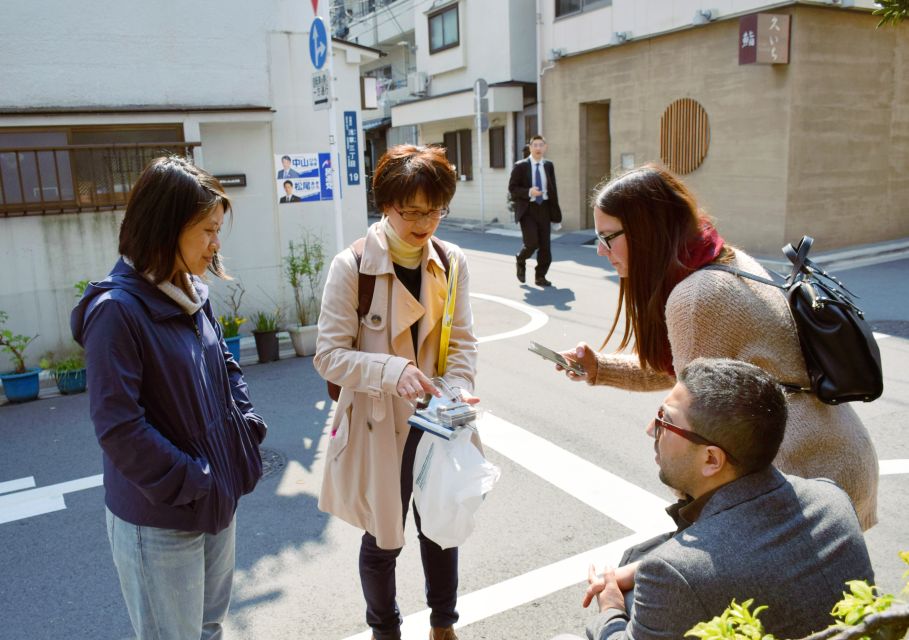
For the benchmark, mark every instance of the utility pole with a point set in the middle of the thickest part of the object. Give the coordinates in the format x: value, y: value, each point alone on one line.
x: 481, y: 103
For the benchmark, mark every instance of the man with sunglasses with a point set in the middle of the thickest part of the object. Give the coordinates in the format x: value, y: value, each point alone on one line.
x: 745, y: 529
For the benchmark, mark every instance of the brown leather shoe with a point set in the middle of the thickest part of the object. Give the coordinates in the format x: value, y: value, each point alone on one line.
x: 442, y: 633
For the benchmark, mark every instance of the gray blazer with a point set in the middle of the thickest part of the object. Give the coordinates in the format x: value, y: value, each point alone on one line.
x: 787, y: 542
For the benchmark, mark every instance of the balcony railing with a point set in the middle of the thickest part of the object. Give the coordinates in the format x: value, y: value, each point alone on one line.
x: 76, y: 177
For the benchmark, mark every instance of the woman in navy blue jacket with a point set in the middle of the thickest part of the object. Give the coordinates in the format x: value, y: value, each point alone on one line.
x: 179, y: 436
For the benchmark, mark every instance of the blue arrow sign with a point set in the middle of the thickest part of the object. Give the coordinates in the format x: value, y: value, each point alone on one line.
x: 318, y: 42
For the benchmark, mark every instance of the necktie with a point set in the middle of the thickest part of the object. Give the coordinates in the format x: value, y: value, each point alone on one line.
x: 537, y: 182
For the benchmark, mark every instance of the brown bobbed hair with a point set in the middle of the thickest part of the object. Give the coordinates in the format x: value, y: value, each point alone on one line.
x: 170, y: 194
x: 738, y: 406
x: 406, y: 170
x: 660, y: 217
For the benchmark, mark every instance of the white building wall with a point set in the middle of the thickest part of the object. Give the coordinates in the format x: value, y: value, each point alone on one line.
x: 466, y: 202
x: 106, y: 55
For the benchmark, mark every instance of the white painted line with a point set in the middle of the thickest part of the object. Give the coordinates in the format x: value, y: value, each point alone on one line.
x: 32, y: 502
x: 34, y: 507
x: 893, y: 467
x: 609, y: 494
x: 522, y: 589
x: 614, y: 497
x: 537, y: 317
x: 17, y: 485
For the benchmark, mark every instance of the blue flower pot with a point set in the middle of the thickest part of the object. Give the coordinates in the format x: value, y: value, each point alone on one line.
x: 20, y: 387
x: 234, y: 345
x: 71, y: 381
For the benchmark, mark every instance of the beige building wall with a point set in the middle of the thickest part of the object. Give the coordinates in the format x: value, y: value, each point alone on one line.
x: 761, y: 179
x: 849, y: 139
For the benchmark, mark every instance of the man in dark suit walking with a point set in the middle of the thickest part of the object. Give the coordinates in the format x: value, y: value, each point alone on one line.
x: 745, y: 531
x: 536, y: 204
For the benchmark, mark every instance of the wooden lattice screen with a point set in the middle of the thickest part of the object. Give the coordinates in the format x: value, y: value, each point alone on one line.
x: 684, y: 135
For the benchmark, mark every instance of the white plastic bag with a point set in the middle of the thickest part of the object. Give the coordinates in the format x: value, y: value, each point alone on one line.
x: 450, y: 478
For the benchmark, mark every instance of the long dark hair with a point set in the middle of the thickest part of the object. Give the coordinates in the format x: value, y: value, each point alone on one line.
x: 660, y: 217
x: 170, y: 194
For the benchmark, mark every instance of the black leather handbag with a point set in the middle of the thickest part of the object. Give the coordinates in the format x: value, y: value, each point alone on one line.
x: 842, y: 356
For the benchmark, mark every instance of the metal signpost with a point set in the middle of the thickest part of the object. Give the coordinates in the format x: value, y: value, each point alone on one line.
x: 481, y: 102
x: 321, y: 54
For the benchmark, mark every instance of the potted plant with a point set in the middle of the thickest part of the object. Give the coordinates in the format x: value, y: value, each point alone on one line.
x: 230, y: 326
x: 303, y: 267
x: 68, y: 371
x: 231, y: 322
x: 20, y: 384
x: 266, y: 333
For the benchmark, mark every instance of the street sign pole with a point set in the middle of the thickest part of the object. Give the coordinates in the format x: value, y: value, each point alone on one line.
x: 335, y: 154
x: 320, y: 52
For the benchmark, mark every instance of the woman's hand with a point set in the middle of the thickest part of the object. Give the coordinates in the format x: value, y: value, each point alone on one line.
x: 584, y: 356
x: 413, y: 384
x: 468, y: 397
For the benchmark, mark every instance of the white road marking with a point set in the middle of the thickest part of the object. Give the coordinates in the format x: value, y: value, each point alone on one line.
x: 537, y: 317
x: 614, y: 497
x: 520, y: 590
x: 893, y: 467
x: 17, y: 485
x: 34, y: 502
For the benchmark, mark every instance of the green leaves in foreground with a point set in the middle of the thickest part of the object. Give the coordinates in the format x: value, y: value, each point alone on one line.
x: 736, y: 623
x: 860, y: 603
x: 739, y: 623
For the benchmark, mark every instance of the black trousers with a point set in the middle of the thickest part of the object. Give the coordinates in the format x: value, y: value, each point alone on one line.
x: 377, y: 568
x: 536, y: 233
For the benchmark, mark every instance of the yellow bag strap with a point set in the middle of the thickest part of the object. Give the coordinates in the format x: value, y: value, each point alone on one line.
x: 448, y: 317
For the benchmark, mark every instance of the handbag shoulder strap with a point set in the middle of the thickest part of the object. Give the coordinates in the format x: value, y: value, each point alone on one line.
x: 744, y: 274
x: 366, y: 282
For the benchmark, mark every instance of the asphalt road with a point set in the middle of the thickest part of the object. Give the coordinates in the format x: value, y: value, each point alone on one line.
x: 577, y: 475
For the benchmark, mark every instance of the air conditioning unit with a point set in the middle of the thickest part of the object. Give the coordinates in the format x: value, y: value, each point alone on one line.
x: 417, y: 83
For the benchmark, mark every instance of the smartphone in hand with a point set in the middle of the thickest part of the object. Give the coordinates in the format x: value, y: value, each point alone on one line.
x: 556, y: 357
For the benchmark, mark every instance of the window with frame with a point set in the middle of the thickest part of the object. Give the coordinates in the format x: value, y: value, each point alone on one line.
x: 497, y: 147
x: 458, y: 150
x: 55, y: 169
x: 443, y: 29
x: 571, y: 7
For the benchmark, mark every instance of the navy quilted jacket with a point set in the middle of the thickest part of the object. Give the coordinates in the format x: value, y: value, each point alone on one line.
x: 179, y: 436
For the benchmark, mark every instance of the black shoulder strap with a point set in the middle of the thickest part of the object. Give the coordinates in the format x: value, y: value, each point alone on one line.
x: 366, y: 282
x: 744, y: 274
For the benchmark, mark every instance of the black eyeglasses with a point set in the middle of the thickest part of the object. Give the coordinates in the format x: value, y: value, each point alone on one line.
x: 607, y: 239
x: 414, y: 216
x: 661, y: 423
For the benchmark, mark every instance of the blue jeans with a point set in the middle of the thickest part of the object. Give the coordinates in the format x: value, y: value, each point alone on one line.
x: 176, y: 583
x: 377, y: 568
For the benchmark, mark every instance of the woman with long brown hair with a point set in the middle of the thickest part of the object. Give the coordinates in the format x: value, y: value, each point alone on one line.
x: 651, y: 229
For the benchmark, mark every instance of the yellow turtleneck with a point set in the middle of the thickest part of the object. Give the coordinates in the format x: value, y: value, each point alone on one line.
x: 402, y: 253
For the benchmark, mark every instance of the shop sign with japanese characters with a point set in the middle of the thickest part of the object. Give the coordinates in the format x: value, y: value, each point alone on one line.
x: 764, y: 39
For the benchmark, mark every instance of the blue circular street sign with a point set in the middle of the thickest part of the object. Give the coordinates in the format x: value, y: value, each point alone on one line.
x: 318, y: 43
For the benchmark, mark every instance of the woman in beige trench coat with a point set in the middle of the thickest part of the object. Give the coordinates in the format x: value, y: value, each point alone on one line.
x: 383, y: 363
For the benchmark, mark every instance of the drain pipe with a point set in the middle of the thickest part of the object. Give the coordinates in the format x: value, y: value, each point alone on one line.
x: 542, y: 70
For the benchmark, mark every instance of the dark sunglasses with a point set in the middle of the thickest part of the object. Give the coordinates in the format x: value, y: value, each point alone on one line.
x: 607, y: 240
x: 661, y: 423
